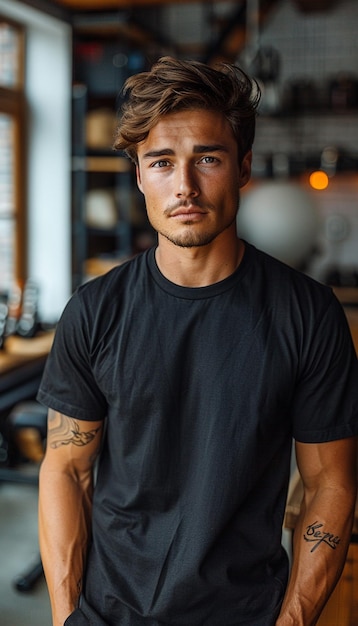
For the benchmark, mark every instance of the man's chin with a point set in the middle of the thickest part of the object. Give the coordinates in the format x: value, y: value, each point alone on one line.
x: 190, y: 240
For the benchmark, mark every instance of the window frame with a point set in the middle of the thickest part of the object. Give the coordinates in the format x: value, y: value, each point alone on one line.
x: 13, y: 104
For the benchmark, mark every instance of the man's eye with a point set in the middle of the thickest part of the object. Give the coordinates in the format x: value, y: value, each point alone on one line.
x: 208, y: 159
x: 161, y: 163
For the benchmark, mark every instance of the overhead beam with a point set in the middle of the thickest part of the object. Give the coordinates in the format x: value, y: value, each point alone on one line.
x: 129, y: 27
x: 103, y: 5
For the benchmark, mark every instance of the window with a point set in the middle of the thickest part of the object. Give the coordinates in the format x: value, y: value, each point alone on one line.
x: 12, y: 149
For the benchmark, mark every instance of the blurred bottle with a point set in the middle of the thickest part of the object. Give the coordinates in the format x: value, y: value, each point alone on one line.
x: 14, y: 309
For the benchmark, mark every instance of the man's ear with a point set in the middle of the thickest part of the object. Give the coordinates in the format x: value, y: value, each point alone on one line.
x: 139, y: 180
x: 245, y: 169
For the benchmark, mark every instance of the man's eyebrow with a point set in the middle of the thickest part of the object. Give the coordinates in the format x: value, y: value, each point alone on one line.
x: 210, y: 148
x: 199, y: 149
x: 158, y: 153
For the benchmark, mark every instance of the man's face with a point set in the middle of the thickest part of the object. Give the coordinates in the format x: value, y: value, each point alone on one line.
x: 189, y: 173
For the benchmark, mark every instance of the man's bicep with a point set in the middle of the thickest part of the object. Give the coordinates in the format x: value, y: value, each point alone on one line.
x: 71, y: 441
x: 328, y: 464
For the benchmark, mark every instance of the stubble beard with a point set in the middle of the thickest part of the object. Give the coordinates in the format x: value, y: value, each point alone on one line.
x: 192, y: 239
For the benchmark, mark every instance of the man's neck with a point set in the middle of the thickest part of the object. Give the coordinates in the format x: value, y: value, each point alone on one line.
x: 198, y: 266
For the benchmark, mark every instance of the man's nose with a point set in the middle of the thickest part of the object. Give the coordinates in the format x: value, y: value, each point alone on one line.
x: 186, y: 182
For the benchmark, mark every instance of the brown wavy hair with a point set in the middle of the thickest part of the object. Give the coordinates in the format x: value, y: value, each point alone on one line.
x: 172, y: 85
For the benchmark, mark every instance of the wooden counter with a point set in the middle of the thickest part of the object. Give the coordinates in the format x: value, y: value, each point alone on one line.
x: 18, y: 350
x: 352, y: 317
x: 21, y: 366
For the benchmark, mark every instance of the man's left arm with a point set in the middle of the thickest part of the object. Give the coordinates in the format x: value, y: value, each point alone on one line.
x: 323, y: 530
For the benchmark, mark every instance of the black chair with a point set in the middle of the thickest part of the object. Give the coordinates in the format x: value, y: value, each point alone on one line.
x: 26, y: 431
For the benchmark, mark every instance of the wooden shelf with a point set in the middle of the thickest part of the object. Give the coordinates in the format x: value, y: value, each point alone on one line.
x: 113, y: 164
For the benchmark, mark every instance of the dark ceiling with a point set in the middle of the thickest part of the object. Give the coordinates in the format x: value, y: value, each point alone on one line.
x: 129, y: 18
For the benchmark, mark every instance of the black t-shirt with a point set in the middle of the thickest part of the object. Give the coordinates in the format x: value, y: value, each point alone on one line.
x: 203, y: 390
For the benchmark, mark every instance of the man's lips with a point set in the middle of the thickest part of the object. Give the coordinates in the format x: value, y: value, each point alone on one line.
x: 185, y: 212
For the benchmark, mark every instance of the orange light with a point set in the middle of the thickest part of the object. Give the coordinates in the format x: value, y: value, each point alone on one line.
x: 319, y: 180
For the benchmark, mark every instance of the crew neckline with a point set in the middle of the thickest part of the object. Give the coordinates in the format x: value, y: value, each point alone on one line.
x: 197, y: 293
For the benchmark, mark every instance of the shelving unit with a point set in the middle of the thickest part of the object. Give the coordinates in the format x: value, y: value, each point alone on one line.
x: 109, y: 222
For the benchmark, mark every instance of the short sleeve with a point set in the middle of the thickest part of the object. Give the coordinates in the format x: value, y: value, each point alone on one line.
x: 325, y: 406
x: 68, y: 384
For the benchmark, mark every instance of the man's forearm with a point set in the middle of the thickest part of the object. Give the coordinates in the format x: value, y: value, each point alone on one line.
x: 64, y: 526
x: 321, y: 541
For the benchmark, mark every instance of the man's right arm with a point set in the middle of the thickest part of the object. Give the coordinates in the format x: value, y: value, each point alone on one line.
x: 65, y: 505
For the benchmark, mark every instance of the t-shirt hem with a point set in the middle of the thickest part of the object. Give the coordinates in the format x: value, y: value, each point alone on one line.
x: 331, y: 434
x: 67, y: 409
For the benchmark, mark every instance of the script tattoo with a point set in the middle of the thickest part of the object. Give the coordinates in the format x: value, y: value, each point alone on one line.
x: 315, y: 534
x: 69, y: 432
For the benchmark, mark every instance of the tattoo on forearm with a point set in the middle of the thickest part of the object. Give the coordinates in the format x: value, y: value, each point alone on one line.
x: 68, y: 431
x: 314, y: 533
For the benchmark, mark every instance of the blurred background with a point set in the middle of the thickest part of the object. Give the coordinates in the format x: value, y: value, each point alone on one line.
x: 69, y: 206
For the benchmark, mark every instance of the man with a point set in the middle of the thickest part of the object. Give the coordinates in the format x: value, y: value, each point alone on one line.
x: 187, y: 371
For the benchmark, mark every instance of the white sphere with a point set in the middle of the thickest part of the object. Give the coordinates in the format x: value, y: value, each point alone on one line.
x: 279, y: 218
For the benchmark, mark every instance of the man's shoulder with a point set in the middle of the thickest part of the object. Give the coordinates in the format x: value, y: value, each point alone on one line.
x: 284, y: 274
x: 288, y: 290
